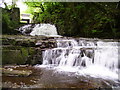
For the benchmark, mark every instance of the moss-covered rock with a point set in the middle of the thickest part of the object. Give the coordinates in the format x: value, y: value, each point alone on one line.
x: 19, y: 49
x: 14, y: 55
x: 20, y: 55
x: 28, y: 41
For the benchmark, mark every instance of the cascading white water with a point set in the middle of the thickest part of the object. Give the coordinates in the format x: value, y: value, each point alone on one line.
x: 44, y: 29
x: 94, y: 58
x: 39, y: 29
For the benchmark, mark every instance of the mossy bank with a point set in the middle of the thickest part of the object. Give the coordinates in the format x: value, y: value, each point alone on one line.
x: 18, y: 49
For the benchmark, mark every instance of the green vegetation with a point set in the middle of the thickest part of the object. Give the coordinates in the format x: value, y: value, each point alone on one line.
x: 10, y: 19
x: 86, y: 19
x: 17, y: 55
x: 78, y: 19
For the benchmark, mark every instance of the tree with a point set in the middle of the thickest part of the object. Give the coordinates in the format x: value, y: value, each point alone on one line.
x: 87, y: 19
x: 9, y: 20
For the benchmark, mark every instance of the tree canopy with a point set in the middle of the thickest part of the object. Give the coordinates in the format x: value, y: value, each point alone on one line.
x: 84, y: 19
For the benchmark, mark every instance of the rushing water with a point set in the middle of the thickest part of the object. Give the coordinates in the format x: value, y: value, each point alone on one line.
x: 95, y: 58
x: 39, y: 29
x: 44, y: 29
x: 85, y: 57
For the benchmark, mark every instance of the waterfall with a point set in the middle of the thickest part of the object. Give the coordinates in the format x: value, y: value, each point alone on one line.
x: 44, y: 29
x: 85, y: 57
x: 39, y: 29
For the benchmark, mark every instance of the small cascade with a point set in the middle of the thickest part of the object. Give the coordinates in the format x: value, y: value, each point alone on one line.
x: 70, y: 53
x: 87, y: 57
x: 39, y: 29
x: 44, y: 29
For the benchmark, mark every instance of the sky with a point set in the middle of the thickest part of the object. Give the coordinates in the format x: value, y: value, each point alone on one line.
x: 19, y: 3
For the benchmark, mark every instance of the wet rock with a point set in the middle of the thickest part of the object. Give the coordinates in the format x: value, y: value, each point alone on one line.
x: 26, y: 43
x: 11, y: 72
x: 35, y: 58
x: 29, y: 41
x: 43, y: 44
x: 19, y: 55
x: 19, y: 49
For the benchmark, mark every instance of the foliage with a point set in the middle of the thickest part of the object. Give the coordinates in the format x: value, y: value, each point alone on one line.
x: 10, y: 19
x: 13, y: 5
x: 8, y: 13
x: 87, y: 19
x: 8, y: 25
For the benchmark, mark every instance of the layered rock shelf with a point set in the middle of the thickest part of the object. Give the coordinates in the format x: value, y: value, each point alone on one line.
x: 19, y: 49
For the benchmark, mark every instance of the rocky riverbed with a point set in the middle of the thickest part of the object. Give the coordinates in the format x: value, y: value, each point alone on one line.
x: 48, y: 78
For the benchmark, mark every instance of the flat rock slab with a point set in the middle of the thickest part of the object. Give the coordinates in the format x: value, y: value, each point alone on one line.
x: 11, y: 72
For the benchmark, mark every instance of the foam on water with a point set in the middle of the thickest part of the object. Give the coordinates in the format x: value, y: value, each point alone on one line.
x: 99, y: 72
x: 94, y: 58
x: 85, y: 57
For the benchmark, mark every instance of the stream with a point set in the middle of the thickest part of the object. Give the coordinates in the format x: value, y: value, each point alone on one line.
x: 90, y: 58
x: 74, y: 63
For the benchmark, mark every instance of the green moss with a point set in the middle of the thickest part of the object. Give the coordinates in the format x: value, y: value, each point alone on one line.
x: 24, y: 51
x: 31, y: 51
x: 11, y: 57
x: 16, y: 54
